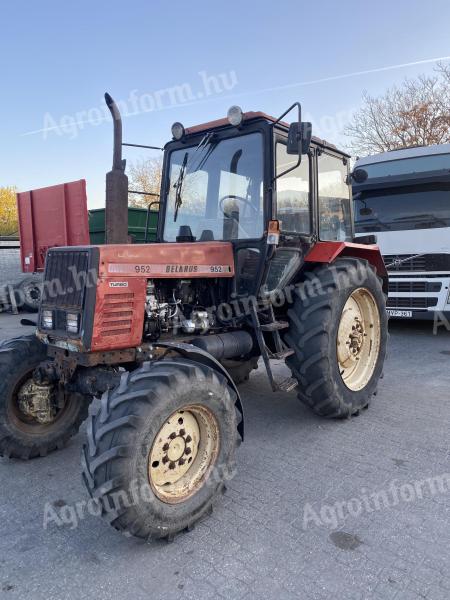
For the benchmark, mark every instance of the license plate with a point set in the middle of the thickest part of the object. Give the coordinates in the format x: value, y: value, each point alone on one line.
x: 400, y: 313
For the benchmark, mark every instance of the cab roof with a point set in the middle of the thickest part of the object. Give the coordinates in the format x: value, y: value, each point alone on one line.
x: 253, y: 116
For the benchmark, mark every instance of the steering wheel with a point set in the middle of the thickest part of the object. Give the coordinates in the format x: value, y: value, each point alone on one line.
x: 240, y: 198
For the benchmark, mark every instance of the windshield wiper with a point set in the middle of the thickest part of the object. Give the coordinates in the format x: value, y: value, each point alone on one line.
x: 178, y: 185
x: 185, y: 167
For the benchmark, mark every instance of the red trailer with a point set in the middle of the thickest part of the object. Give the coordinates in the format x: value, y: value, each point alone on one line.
x: 51, y: 216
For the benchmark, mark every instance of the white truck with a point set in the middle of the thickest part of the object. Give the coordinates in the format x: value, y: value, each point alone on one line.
x: 403, y: 197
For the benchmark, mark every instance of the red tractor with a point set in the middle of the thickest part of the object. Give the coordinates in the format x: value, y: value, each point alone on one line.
x: 254, y: 259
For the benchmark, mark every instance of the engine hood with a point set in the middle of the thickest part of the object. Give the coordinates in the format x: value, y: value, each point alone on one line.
x: 167, y: 260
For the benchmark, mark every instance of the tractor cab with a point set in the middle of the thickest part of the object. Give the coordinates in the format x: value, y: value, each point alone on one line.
x: 269, y: 188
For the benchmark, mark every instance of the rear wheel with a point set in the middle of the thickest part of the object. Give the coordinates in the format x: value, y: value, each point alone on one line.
x: 34, y: 419
x: 161, y: 447
x: 338, y: 330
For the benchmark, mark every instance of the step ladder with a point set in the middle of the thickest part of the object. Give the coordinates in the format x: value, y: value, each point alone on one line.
x: 281, y: 350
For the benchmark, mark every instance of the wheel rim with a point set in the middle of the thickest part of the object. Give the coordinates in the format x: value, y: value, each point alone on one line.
x: 358, y: 339
x: 183, y: 453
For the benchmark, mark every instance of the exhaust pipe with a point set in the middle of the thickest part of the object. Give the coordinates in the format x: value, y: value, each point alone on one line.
x: 116, y: 205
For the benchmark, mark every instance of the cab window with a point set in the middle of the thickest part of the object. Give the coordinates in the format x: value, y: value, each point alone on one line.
x: 293, y: 192
x: 335, y: 220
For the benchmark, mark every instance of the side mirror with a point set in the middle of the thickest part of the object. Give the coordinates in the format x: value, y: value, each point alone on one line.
x: 299, y: 138
x: 359, y: 175
x: 306, y: 136
x: 294, y: 141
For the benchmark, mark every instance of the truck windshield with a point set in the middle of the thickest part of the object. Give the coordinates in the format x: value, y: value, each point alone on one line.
x: 216, y: 188
x: 409, y: 207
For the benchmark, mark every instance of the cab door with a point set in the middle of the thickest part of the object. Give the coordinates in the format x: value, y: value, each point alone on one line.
x: 293, y: 207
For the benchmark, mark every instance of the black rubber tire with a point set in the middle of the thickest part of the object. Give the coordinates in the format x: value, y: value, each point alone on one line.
x: 314, y: 320
x: 240, y: 370
x: 121, y: 435
x: 19, y: 357
x: 28, y: 294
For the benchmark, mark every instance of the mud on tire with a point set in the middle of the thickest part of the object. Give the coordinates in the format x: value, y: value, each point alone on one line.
x: 116, y: 461
x: 314, y: 323
x: 19, y: 439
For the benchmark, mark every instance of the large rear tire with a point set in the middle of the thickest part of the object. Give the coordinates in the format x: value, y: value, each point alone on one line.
x: 21, y: 436
x: 338, y: 330
x: 161, y: 447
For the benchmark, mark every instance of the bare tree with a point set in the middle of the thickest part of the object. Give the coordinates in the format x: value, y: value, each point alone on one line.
x: 417, y: 113
x: 145, y: 176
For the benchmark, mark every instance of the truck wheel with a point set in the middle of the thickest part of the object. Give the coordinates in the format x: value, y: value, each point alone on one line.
x: 31, y: 422
x: 338, y: 330
x: 240, y: 370
x: 29, y: 293
x: 161, y: 447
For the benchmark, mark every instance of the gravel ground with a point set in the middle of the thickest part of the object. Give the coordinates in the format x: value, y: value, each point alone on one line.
x: 299, y: 519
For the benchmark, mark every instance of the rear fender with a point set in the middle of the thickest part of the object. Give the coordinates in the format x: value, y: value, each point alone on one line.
x: 328, y: 252
x: 197, y: 355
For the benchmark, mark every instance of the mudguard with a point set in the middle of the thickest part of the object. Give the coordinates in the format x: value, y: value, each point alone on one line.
x: 197, y: 355
x: 328, y: 252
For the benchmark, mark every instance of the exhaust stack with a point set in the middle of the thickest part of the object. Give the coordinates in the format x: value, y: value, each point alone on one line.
x: 116, y: 205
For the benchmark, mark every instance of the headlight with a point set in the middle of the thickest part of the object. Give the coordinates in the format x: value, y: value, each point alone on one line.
x: 235, y: 115
x: 72, y: 322
x: 47, y: 319
x: 177, y: 131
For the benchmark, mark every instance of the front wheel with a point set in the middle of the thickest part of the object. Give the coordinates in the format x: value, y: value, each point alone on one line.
x: 35, y: 419
x: 161, y: 448
x: 338, y: 330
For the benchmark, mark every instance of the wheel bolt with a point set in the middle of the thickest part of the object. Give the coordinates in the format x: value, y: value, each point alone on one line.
x: 165, y: 459
x: 172, y: 436
x: 181, y: 462
x: 188, y: 439
x: 165, y: 447
x: 187, y: 451
x: 172, y: 465
x: 182, y: 432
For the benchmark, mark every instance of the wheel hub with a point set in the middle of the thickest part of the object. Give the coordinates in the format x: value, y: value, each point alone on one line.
x: 358, y: 339
x: 36, y: 401
x: 184, y: 449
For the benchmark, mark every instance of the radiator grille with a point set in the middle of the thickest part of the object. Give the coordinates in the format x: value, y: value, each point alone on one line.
x: 410, y: 262
x: 117, y: 314
x: 411, y: 302
x: 414, y: 286
x: 65, y: 278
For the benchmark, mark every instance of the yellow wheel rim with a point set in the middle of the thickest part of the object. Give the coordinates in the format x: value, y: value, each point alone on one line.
x: 358, y: 339
x: 183, y: 453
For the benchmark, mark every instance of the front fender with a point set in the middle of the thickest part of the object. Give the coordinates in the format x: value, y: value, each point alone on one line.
x: 197, y: 355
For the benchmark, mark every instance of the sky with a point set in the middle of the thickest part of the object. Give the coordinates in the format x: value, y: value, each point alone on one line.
x: 169, y: 61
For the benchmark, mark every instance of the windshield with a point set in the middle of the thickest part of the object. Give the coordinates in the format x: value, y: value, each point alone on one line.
x: 412, y: 207
x: 216, y: 188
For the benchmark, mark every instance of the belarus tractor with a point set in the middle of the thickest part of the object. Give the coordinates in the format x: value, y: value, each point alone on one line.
x: 254, y: 259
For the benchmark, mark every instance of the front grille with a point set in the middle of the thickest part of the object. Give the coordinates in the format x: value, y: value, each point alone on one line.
x: 410, y: 262
x: 117, y: 314
x: 65, y: 278
x: 409, y: 287
x: 411, y: 302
